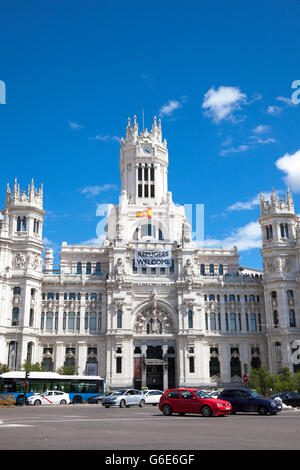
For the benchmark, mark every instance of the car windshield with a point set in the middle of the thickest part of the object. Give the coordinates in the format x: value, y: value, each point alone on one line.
x: 119, y: 392
x: 201, y: 394
x: 255, y: 394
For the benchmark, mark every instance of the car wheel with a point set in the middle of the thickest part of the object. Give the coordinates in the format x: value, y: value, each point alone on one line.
x: 142, y: 404
x: 37, y: 402
x: 262, y: 410
x: 154, y: 404
x: 122, y: 404
x: 63, y: 402
x: 206, y: 411
x: 167, y: 410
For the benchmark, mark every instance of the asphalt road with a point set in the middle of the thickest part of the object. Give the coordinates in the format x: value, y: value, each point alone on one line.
x: 93, y: 427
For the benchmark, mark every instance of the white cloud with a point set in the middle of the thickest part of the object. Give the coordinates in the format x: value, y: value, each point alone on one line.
x: 285, y: 100
x: 105, y: 138
x: 261, y: 129
x: 91, y: 191
x: 290, y: 164
x: 220, y: 104
x: 248, y: 205
x: 75, y: 125
x: 245, y: 238
x: 239, y: 149
x: 169, y: 108
x: 274, y: 110
x: 258, y: 140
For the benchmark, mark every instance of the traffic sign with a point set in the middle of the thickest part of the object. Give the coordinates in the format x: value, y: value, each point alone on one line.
x: 245, y: 378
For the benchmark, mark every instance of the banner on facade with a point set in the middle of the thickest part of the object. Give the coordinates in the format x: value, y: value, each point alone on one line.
x: 159, y: 258
x: 145, y: 213
x: 137, y: 367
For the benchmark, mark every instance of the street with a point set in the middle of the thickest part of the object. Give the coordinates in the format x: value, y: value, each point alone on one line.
x: 93, y: 427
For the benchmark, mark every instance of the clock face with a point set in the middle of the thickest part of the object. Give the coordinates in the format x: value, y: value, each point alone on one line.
x: 146, y: 149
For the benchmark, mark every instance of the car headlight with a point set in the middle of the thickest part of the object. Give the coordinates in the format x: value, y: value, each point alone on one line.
x: 220, y: 405
x: 273, y: 403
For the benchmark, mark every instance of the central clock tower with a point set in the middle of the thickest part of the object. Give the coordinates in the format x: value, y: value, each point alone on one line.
x: 143, y: 165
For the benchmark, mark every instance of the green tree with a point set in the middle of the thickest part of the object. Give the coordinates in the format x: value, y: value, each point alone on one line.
x: 3, y: 368
x: 260, y: 379
x: 37, y: 367
x: 296, y: 382
x: 284, y: 380
x: 67, y: 370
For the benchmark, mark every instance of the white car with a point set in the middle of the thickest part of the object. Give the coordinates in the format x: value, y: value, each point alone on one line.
x: 152, y: 397
x: 51, y: 397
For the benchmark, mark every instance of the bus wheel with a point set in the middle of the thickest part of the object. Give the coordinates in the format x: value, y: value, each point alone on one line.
x: 19, y: 400
x: 77, y: 400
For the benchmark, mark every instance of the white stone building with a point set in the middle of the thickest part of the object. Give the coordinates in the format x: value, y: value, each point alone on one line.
x: 198, y: 319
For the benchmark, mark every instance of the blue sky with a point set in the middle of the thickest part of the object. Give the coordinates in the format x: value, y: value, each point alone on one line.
x: 218, y: 73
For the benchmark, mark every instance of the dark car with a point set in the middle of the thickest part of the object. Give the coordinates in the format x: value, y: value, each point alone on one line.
x: 289, y: 398
x: 192, y: 400
x: 98, y: 398
x: 247, y: 401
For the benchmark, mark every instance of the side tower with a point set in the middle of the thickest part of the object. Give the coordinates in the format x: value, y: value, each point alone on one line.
x: 20, y: 273
x: 280, y: 252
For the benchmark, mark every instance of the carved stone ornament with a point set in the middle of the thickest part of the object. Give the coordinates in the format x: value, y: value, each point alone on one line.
x: 119, y: 272
x: 151, y: 321
x: 35, y: 262
x: 188, y: 271
x: 19, y: 260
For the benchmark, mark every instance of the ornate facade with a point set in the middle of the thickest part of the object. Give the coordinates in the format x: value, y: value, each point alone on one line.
x: 195, y: 319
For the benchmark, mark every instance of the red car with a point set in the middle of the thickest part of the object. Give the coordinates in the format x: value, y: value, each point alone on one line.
x: 192, y: 401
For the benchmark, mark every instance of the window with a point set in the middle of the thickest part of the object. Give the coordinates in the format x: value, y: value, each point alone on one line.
x: 88, y: 268
x: 98, y: 268
x: 71, y: 321
x: 211, y: 297
x: 186, y: 395
x: 93, y: 296
x: 31, y: 317
x: 292, y: 318
x: 79, y: 268
x: 192, y: 364
x: 290, y: 294
x: 140, y: 190
x: 119, y: 319
x: 211, y: 269
x: 49, y: 321
x: 251, y: 298
x: 93, y: 318
x: 152, y: 172
x: 17, y: 290
x: 174, y: 394
x: 100, y: 321
x: 140, y: 173
x: 202, y: 269
x: 72, y: 296
x: 118, y: 365
x: 221, y: 270
x: 231, y: 298
x: 190, y: 319
x: 275, y: 319
x: 15, y: 316
x: 284, y: 233
x: 50, y: 296
x: 253, y: 326
x: 233, y: 321
x: 213, y: 321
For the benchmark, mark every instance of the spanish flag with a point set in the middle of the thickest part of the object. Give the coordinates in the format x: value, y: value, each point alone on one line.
x: 146, y: 213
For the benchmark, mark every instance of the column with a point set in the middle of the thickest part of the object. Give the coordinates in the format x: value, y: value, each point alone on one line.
x: 224, y: 358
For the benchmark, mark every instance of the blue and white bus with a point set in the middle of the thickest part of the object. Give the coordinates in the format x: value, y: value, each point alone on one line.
x: 79, y: 387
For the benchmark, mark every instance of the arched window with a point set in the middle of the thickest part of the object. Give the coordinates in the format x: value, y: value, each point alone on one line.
x: 235, y: 367
x: 221, y: 270
x: 275, y: 319
x: 202, y: 269
x: 24, y: 224
x: 72, y: 296
x: 211, y: 297
x: 19, y: 224
x: 231, y: 298
x: 88, y: 268
x: 211, y: 269
x: 17, y: 291
x: 290, y: 294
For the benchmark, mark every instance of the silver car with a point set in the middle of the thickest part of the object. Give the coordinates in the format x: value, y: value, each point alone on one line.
x: 124, y: 398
